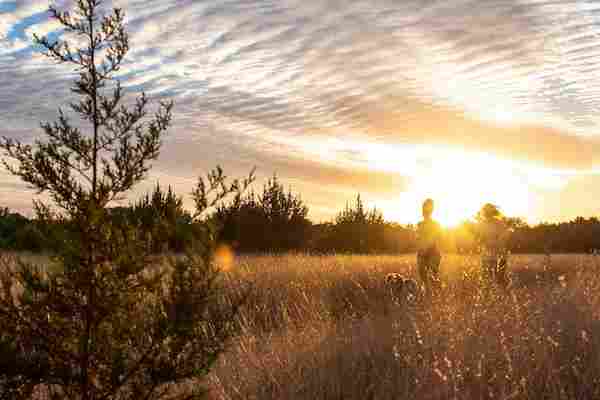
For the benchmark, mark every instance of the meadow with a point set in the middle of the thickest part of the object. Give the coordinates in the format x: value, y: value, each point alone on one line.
x: 325, y: 327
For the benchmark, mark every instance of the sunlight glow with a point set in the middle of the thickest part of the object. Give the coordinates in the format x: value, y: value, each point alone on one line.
x: 460, y: 184
x: 460, y: 181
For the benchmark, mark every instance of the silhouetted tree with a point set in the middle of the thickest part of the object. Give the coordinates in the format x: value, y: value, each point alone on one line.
x: 10, y: 225
x: 161, y: 218
x: 104, y: 320
x: 355, y: 230
x: 274, y: 221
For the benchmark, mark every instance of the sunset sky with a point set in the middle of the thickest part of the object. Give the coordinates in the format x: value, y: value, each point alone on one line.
x: 462, y: 101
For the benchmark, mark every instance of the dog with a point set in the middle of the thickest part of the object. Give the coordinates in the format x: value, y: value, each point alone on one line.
x: 403, y: 290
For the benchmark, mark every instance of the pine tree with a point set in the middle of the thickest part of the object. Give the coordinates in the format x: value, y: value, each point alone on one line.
x: 280, y: 216
x: 105, y: 320
x: 357, y: 229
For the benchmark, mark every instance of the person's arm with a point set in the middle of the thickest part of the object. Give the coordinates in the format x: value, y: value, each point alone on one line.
x: 419, y: 236
x: 439, y: 237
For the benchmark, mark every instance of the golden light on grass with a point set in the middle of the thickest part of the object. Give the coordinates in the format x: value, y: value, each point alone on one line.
x: 325, y: 324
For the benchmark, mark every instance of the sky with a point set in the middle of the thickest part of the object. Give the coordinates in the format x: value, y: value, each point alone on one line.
x: 466, y: 102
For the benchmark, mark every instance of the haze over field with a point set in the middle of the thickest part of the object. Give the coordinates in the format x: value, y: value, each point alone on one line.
x: 462, y: 101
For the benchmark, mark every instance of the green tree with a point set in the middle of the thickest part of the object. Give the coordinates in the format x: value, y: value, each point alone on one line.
x: 285, y: 214
x: 279, y: 216
x: 104, y: 320
x: 358, y: 215
x: 357, y: 230
x: 162, y: 220
x: 10, y: 226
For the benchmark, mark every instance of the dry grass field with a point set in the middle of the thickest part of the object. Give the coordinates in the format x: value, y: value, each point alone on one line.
x: 326, y: 328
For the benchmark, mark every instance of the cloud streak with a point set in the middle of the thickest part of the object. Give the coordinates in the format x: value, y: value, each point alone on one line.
x: 263, y: 80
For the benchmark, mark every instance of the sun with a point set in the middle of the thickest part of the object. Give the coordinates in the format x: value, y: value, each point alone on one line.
x: 451, y: 216
x: 455, y: 201
x: 460, y: 184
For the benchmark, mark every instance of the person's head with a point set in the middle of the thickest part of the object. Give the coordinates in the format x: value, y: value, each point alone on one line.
x: 490, y: 212
x: 427, y: 208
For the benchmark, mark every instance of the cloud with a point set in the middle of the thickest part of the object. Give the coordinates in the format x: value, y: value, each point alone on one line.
x: 407, y: 120
x: 272, y: 83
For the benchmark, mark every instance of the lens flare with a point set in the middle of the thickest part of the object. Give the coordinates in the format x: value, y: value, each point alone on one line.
x: 224, y: 257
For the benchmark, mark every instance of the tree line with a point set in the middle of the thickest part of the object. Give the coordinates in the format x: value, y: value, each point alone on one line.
x: 275, y: 220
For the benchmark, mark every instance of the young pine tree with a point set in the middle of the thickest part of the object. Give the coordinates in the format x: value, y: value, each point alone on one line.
x: 104, y: 320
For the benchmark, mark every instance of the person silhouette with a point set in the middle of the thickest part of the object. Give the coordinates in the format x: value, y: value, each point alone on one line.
x: 493, y: 235
x: 429, y: 235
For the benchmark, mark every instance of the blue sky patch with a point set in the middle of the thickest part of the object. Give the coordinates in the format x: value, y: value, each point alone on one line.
x: 8, y: 7
x: 17, y: 32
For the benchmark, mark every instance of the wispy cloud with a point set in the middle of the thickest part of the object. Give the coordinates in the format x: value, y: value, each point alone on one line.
x: 259, y: 82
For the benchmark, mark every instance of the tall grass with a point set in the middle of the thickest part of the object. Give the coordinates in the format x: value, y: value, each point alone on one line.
x: 326, y: 328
